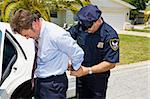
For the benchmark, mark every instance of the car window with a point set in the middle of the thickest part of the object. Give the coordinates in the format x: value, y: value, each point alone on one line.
x: 9, y: 58
x: 0, y: 40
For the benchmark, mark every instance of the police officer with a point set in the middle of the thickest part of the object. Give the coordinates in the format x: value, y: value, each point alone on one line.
x: 100, y: 43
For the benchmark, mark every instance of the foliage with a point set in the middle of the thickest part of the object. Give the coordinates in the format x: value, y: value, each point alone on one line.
x: 147, y: 13
x: 139, y: 4
x: 41, y: 7
x: 73, y: 5
x: 9, y: 7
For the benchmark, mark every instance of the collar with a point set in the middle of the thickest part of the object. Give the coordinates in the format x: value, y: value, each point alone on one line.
x: 42, y: 27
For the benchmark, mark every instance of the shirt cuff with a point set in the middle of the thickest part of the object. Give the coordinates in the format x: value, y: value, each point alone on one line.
x: 77, y: 66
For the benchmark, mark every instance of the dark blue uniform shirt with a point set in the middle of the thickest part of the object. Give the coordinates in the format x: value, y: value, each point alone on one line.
x: 103, y: 45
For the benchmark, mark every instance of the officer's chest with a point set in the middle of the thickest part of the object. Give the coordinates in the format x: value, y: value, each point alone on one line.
x: 89, y: 40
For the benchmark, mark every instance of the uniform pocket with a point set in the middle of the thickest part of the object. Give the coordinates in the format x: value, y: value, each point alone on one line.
x: 100, y: 54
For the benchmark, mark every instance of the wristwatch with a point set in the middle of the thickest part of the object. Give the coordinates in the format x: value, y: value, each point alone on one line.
x: 90, y: 70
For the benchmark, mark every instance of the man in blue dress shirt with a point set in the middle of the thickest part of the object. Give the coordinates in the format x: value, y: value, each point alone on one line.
x: 55, y: 48
x: 100, y: 44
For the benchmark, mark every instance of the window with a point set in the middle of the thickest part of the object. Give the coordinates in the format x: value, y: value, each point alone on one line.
x: 0, y: 39
x: 53, y: 14
x: 9, y: 58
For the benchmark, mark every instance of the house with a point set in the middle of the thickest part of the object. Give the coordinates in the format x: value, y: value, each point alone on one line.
x: 139, y: 18
x: 114, y: 12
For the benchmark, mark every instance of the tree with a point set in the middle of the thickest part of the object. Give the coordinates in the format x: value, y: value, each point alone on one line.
x: 147, y: 14
x: 139, y: 4
x: 40, y: 7
x: 9, y: 7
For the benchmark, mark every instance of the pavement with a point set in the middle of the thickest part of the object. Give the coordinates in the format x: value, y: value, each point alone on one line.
x: 140, y: 27
x: 130, y: 81
x: 134, y: 33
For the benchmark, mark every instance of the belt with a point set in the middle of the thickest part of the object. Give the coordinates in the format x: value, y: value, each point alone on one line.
x: 52, y: 77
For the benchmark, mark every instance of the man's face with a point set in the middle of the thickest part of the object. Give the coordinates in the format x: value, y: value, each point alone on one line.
x: 29, y: 33
x: 93, y: 28
x: 32, y: 32
x: 85, y: 25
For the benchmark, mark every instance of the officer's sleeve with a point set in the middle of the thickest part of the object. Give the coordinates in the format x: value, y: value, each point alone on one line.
x: 68, y: 45
x: 111, y: 49
x: 73, y: 31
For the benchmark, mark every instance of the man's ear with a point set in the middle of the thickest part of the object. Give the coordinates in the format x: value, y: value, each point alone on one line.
x: 35, y: 24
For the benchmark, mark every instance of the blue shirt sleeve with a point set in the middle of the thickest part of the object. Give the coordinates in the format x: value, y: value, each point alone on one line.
x: 111, y: 50
x: 68, y: 45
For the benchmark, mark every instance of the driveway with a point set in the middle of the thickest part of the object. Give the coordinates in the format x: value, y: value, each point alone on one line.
x: 130, y: 81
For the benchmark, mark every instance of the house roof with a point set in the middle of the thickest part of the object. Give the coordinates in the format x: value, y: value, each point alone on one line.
x: 125, y: 4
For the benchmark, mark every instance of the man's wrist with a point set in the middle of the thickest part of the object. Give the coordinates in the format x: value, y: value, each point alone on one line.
x: 90, y: 70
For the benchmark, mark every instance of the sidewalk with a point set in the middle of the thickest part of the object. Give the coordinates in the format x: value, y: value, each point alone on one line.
x: 130, y: 81
x: 141, y: 26
x: 135, y: 33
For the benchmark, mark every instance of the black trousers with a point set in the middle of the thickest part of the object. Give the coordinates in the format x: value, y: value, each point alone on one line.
x: 92, y: 86
x: 53, y: 87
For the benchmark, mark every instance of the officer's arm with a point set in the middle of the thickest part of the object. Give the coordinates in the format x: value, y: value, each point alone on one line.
x: 109, y: 61
x: 102, y: 67
x: 99, y: 68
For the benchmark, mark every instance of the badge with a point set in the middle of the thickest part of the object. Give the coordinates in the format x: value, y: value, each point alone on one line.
x: 100, y: 45
x: 114, y: 43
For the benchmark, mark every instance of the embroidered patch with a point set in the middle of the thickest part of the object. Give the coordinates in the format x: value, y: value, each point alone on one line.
x: 114, y: 43
x: 100, y: 45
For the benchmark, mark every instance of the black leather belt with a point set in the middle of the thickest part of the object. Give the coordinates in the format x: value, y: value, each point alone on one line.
x: 50, y: 78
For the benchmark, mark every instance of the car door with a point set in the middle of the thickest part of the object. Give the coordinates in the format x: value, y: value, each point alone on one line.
x: 3, y: 93
x: 9, y: 57
x: 15, y: 68
x: 16, y: 63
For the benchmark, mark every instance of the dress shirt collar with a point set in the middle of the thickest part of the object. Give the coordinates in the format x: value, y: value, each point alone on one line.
x: 42, y: 27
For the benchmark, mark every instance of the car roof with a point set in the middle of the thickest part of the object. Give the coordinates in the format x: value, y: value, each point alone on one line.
x: 4, y: 26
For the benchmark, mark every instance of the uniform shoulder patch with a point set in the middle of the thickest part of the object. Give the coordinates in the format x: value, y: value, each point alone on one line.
x: 114, y: 44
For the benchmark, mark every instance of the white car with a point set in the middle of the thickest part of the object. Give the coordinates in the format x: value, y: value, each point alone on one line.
x: 16, y: 63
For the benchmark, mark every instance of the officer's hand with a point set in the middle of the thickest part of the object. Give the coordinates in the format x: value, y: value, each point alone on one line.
x: 82, y: 71
x: 70, y: 68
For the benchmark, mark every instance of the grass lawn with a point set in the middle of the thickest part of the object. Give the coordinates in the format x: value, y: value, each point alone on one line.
x: 134, y: 49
